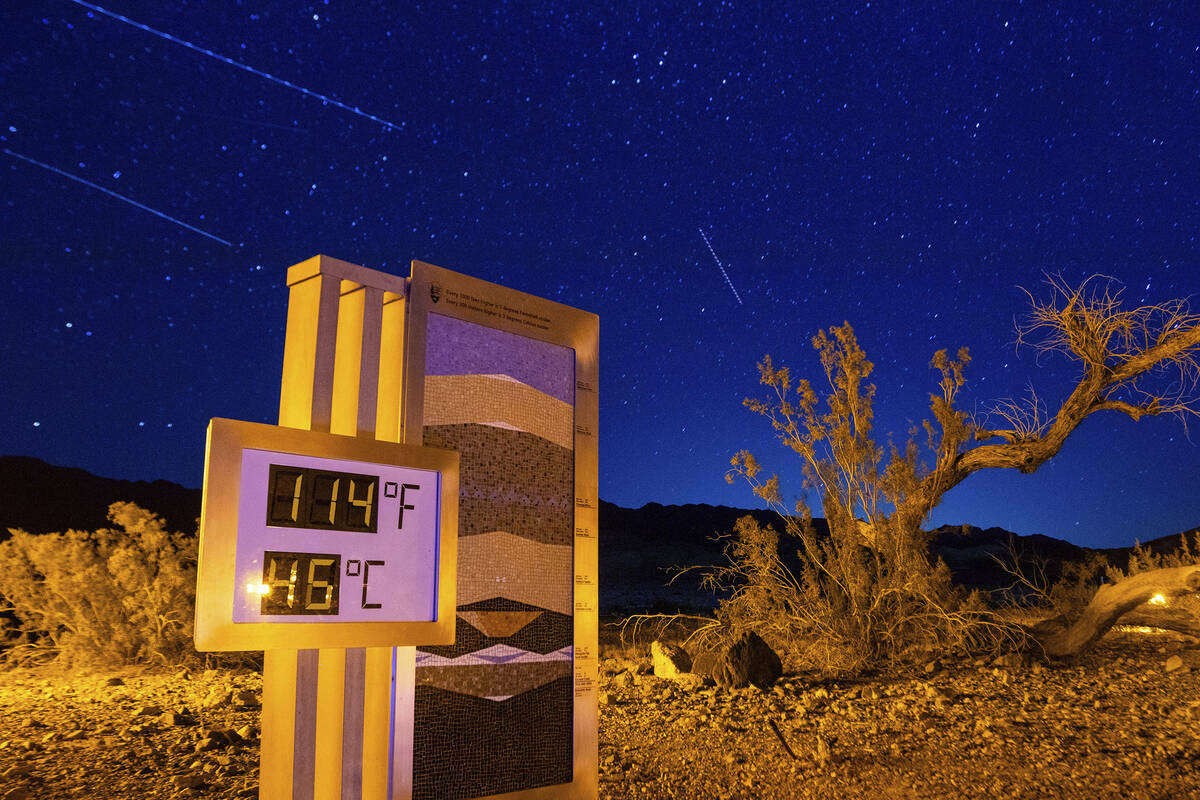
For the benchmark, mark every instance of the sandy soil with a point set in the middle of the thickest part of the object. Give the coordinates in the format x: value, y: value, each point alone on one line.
x: 1117, y: 724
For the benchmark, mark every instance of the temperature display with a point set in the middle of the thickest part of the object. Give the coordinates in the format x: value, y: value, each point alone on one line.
x: 300, y: 583
x: 310, y: 498
x: 310, y: 539
x: 335, y: 540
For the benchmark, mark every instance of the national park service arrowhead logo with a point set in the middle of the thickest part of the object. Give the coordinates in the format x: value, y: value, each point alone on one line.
x: 435, y: 292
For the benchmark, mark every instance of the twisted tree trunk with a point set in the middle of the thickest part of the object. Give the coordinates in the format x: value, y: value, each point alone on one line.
x: 1061, y: 638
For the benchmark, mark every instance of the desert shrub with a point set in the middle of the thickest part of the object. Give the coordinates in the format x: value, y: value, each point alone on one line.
x: 1143, y: 559
x: 1076, y: 584
x: 110, y: 596
x: 844, y: 611
x: 1041, y: 585
x: 866, y: 594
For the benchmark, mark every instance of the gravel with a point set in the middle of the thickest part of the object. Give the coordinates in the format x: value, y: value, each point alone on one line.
x: 128, y: 734
x: 1115, y: 724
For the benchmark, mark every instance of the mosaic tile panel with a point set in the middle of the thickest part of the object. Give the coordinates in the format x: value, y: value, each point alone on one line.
x: 495, y: 681
x: 494, y: 710
x: 455, y: 347
x: 499, y: 624
x: 550, y: 631
x: 497, y: 401
x: 510, y: 481
x: 497, y: 746
x: 515, y: 567
x: 496, y: 654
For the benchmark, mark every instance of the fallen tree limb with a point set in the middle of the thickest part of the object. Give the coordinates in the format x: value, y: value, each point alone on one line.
x: 1170, y: 618
x: 1111, y: 601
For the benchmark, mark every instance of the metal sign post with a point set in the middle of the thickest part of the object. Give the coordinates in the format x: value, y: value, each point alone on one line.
x: 327, y: 713
x: 507, y: 704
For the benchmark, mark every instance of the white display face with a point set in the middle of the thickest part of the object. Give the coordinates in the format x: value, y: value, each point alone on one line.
x: 333, y: 540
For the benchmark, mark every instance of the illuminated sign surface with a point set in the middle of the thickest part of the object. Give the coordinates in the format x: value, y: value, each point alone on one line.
x: 508, y: 381
x: 345, y: 540
x: 327, y: 539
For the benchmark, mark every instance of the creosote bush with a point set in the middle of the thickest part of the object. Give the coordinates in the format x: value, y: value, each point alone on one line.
x: 110, y: 596
x: 866, y: 594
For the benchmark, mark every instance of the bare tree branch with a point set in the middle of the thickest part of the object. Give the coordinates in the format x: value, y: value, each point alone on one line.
x: 1118, y: 351
x: 872, y: 573
x: 1129, y: 409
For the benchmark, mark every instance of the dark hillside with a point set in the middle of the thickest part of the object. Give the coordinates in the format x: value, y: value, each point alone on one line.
x: 41, y: 498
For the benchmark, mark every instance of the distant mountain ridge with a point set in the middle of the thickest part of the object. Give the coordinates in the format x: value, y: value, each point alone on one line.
x: 638, y: 546
x: 641, y: 546
x: 40, y: 498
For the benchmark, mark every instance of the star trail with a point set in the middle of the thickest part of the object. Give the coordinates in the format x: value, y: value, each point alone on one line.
x: 117, y: 195
x: 720, y: 266
x: 237, y: 64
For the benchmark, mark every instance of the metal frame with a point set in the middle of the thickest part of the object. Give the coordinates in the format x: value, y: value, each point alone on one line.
x: 216, y: 579
x: 561, y: 325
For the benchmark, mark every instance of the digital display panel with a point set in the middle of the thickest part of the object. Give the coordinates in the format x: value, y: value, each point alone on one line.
x: 309, y: 498
x: 335, y: 539
x: 301, y: 583
x: 311, y: 539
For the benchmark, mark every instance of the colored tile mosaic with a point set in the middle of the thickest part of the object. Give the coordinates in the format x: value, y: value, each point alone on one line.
x: 550, y: 631
x: 494, y: 710
x: 494, y: 681
x: 499, y: 624
x: 496, y: 654
x: 455, y: 347
x: 473, y: 747
x: 514, y: 567
x: 497, y: 401
x: 510, y: 481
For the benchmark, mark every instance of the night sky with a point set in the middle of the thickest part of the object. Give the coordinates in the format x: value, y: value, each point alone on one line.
x: 906, y: 167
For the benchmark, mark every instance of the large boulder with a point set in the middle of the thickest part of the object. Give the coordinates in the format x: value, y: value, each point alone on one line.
x: 749, y: 660
x: 670, y: 661
x: 704, y: 663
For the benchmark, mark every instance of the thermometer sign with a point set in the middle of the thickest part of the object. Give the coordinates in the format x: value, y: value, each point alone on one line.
x: 327, y: 533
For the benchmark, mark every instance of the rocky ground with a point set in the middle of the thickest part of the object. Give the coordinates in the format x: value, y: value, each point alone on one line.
x: 129, y: 734
x: 1123, y: 722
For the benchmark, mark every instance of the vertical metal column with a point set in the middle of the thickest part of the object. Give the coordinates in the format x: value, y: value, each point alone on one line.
x: 378, y: 715
x: 326, y: 717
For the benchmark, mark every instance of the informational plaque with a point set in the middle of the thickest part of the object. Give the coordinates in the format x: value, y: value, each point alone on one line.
x: 316, y: 540
x: 508, y: 381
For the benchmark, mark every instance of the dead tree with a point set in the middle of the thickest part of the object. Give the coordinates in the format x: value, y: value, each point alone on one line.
x: 1168, y: 619
x: 1140, y: 362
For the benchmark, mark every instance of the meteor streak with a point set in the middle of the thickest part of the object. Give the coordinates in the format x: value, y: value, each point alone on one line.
x: 131, y: 202
x: 720, y: 266
x: 205, y: 51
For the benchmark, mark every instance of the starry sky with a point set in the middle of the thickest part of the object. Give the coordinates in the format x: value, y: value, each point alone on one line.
x: 716, y: 180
